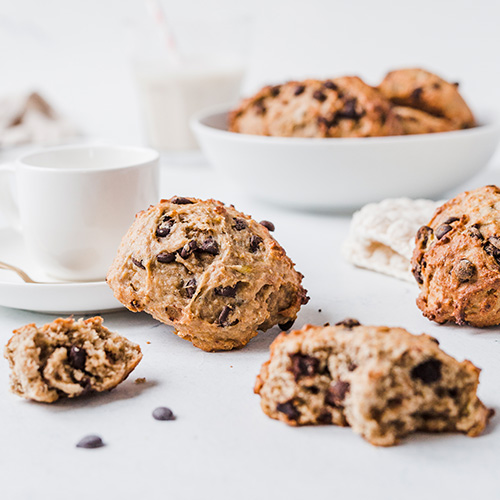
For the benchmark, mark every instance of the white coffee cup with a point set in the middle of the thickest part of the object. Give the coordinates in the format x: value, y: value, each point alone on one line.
x: 75, y: 203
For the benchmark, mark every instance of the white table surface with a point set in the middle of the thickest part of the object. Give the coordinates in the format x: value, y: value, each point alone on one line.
x: 222, y: 446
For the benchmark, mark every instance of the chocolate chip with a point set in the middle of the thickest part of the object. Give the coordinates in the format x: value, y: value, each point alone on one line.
x: 428, y: 371
x: 330, y: 85
x: 423, y: 235
x: 417, y: 273
x: 77, y: 357
x: 166, y: 257
x: 349, y: 110
x: 181, y: 201
x: 451, y: 220
x: 352, y: 366
x: 275, y: 91
x: 286, y: 326
x: 299, y: 89
x: 255, y: 242
x: 493, y: 251
x: 135, y: 304
x: 188, y: 249
x: 289, y: 410
x: 224, y: 315
x: 325, y: 418
x: 436, y: 85
x: 475, y: 232
x: 138, y: 263
x: 319, y: 96
x: 456, y: 84
x: 442, y: 230
x: 303, y: 365
x: 495, y: 241
x: 240, y: 224
x: 163, y: 413
x: 210, y: 246
x: 416, y: 94
x: 465, y: 270
x: 190, y: 287
x: 304, y: 298
x: 336, y: 393
x: 259, y: 105
x: 91, y: 441
x: 267, y: 224
x: 348, y: 323
x: 164, y: 226
x: 226, y: 291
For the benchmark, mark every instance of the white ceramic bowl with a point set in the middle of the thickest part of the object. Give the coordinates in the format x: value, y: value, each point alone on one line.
x: 343, y: 174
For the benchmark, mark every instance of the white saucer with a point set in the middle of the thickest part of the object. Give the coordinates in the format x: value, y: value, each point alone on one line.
x: 50, y: 296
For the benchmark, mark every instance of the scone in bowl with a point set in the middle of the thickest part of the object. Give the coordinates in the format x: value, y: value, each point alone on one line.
x: 344, y: 173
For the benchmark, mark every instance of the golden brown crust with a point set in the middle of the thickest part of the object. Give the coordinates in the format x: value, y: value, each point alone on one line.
x: 338, y: 107
x: 217, y: 297
x: 414, y: 121
x: 383, y: 382
x: 425, y: 91
x: 456, y: 261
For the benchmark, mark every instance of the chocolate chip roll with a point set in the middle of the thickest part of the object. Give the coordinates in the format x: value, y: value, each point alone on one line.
x: 456, y: 261
x: 210, y: 271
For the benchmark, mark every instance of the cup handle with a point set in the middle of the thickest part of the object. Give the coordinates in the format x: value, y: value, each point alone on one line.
x: 9, y: 211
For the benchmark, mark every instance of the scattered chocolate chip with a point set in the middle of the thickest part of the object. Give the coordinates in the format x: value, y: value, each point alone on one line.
x: 428, y: 371
x: 303, y: 365
x: 299, y: 89
x: 138, y: 263
x: 348, y: 323
x: 436, y: 85
x: 275, y: 91
x: 416, y: 94
x: 330, y: 85
x: 240, y: 224
x: 352, y: 366
x: 475, y: 232
x: 223, y: 316
x: 286, y: 326
x: 163, y: 413
x: 182, y: 201
x: 289, y: 410
x: 91, y: 441
x: 190, y: 287
x: 442, y: 230
x: 417, y: 273
x: 465, y: 270
x: 336, y: 393
x: 226, y: 291
x: 423, y: 235
x: 77, y: 357
x: 255, y: 242
x: 135, y: 304
x: 166, y: 257
x: 312, y: 389
x: 319, y: 96
x: 259, y: 105
x: 451, y: 220
x: 304, y: 298
x: 267, y: 224
x: 209, y: 246
x: 164, y: 226
x: 188, y: 249
x: 456, y: 84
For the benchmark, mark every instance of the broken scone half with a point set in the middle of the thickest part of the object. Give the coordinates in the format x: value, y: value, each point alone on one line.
x: 68, y: 358
x: 383, y: 382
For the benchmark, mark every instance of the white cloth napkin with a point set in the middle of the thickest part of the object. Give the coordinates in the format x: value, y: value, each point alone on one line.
x: 29, y: 118
x: 382, y: 235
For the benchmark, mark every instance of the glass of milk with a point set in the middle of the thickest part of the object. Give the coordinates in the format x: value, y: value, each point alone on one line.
x: 171, y: 92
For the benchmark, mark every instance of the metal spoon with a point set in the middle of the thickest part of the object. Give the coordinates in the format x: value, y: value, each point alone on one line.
x: 20, y: 272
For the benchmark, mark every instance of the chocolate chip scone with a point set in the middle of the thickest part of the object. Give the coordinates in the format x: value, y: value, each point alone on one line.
x: 68, y: 358
x: 383, y: 382
x: 456, y: 260
x: 414, y: 121
x: 340, y: 107
x: 212, y: 272
x: 419, y: 89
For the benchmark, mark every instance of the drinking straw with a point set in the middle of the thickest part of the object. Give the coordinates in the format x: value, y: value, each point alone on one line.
x: 155, y: 9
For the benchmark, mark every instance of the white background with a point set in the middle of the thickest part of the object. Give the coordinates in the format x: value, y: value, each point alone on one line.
x: 78, y: 54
